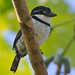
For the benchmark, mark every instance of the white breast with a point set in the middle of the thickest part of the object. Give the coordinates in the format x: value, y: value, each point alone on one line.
x: 42, y: 32
x: 41, y: 29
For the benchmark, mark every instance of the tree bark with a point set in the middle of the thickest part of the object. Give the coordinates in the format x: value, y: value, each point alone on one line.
x: 28, y: 33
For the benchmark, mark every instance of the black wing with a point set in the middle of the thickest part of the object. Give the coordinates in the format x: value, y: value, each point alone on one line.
x: 17, y: 37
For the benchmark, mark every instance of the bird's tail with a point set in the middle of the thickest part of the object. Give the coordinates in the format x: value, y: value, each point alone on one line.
x: 15, y: 63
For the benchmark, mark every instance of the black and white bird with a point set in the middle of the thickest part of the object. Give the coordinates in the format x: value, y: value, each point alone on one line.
x: 41, y: 22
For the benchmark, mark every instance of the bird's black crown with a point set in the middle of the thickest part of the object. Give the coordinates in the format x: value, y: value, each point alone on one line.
x: 42, y: 10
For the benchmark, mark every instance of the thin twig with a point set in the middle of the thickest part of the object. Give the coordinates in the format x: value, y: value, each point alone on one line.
x: 70, y: 42
x: 68, y: 45
x: 58, y: 70
x: 49, y: 60
x: 74, y: 31
x: 62, y: 23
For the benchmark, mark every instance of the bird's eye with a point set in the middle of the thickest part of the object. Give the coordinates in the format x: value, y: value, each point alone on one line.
x: 41, y: 11
x: 44, y: 11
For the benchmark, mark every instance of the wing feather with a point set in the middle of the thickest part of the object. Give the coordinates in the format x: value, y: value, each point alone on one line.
x: 16, y: 38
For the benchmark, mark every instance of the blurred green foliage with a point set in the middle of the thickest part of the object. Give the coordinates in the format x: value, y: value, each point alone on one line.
x: 59, y: 37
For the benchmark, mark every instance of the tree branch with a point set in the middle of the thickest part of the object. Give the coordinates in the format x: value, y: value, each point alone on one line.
x: 58, y: 69
x: 70, y: 42
x: 68, y: 45
x: 49, y: 60
x: 61, y: 24
x: 28, y: 33
x: 65, y: 22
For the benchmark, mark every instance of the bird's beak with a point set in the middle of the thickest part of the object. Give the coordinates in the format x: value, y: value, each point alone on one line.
x: 51, y: 14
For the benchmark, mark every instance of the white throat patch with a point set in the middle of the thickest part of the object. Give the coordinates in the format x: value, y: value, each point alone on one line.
x: 41, y: 29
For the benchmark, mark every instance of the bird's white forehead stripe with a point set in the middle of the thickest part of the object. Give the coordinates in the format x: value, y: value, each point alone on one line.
x: 36, y: 11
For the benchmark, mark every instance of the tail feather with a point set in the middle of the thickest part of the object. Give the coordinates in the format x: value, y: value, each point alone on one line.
x: 15, y: 63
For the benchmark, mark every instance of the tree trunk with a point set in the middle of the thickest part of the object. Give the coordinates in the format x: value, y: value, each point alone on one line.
x: 27, y: 29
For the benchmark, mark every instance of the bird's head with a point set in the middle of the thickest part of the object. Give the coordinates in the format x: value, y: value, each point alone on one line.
x: 42, y: 10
